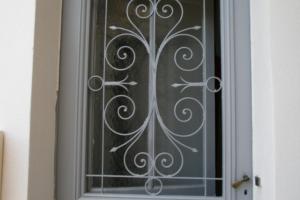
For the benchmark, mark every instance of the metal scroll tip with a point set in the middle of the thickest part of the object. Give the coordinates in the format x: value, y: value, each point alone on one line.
x: 114, y: 149
x: 113, y: 27
x: 195, y: 150
x: 197, y: 27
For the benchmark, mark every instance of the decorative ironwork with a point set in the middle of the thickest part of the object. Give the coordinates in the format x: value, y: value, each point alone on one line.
x: 127, y: 55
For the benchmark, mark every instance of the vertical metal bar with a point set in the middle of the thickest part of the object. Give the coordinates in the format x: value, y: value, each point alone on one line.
x: 152, y: 74
x: 90, y: 31
x: 224, y: 99
x: 204, y: 98
x: 103, y: 97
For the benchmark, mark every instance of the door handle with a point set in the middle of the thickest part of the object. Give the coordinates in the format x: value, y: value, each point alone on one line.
x: 238, y: 183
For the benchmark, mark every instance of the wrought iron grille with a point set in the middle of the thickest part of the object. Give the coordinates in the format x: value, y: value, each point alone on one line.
x: 152, y: 90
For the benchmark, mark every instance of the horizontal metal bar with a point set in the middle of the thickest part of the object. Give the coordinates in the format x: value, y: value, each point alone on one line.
x: 156, y: 177
x: 117, y: 190
x: 89, y: 196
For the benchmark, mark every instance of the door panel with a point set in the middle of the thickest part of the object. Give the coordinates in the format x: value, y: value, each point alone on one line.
x: 154, y: 102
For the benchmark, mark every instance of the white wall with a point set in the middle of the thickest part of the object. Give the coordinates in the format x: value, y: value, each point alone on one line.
x: 285, y: 49
x: 276, y: 97
x: 16, y: 57
x: 262, y: 100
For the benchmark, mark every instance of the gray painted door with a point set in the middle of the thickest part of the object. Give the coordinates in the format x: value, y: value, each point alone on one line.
x: 154, y: 100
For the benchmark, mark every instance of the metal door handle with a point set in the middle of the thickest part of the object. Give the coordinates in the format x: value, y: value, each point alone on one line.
x: 238, y: 183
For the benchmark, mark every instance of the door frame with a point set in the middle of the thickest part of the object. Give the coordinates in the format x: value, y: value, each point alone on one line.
x: 237, y: 125
x: 236, y: 55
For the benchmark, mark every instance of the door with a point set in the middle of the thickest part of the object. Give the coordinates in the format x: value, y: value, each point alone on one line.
x: 154, y: 100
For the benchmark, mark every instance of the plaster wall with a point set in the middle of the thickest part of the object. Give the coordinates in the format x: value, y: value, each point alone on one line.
x: 285, y: 54
x: 262, y: 100
x: 16, y: 58
x: 44, y: 93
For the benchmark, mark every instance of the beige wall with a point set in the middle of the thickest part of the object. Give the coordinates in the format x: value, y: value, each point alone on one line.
x: 44, y: 90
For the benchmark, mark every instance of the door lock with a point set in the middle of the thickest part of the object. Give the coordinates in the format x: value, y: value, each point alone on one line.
x: 238, y: 183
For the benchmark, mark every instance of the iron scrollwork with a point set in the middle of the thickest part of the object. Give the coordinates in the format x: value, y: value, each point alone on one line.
x: 183, y: 114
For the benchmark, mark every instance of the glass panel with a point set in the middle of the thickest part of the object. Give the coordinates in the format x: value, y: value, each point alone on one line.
x: 154, y: 113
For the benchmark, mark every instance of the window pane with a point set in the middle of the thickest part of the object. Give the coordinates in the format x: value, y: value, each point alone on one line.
x: 154, y: 120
